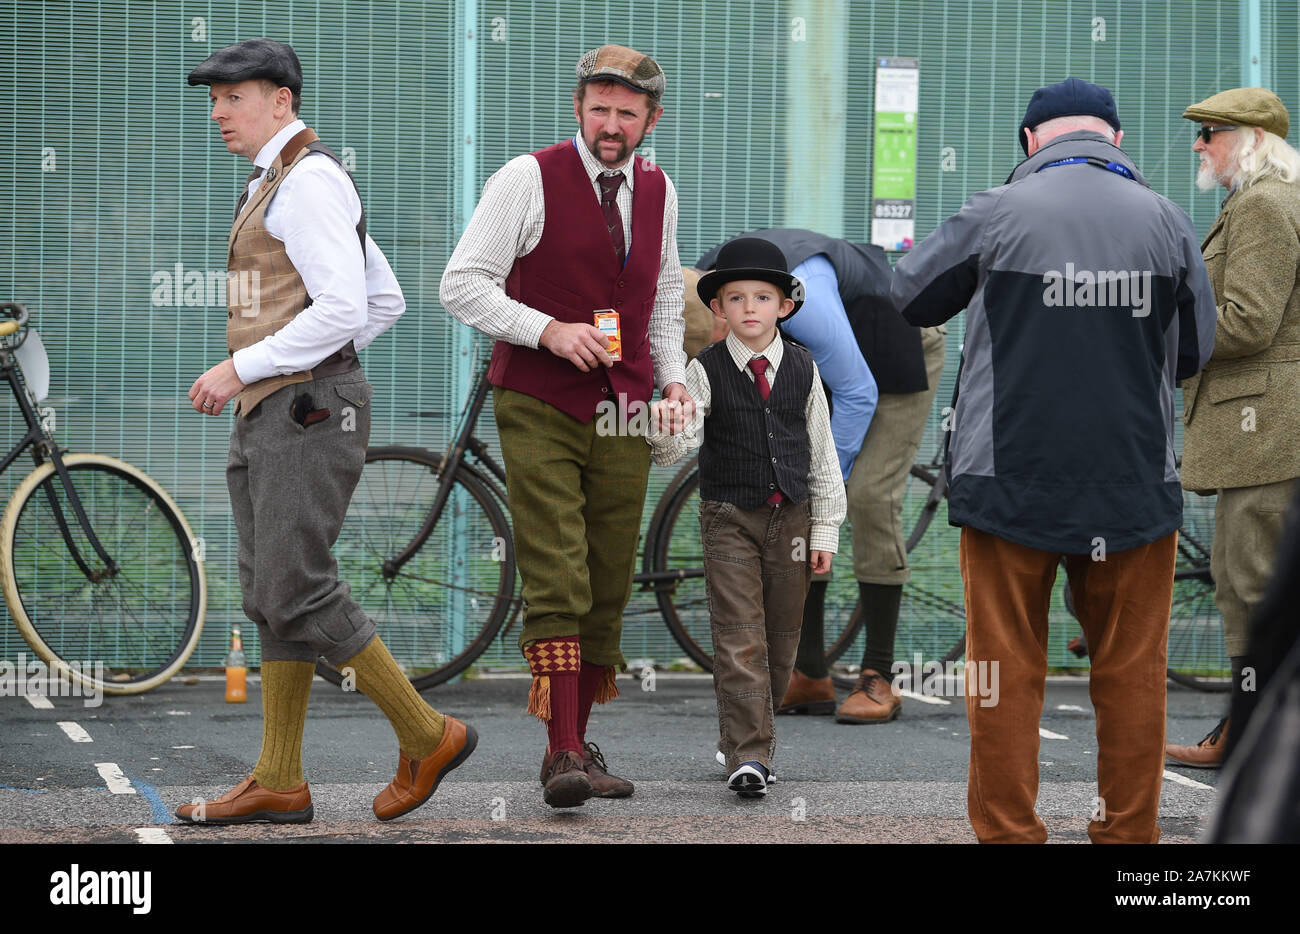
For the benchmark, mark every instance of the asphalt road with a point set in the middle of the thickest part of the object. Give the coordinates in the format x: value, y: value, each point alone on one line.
x: 898, y: 782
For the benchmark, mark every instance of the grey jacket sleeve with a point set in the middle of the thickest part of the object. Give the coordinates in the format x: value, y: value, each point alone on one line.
x: 939, y: 276
x: 1197, y: 315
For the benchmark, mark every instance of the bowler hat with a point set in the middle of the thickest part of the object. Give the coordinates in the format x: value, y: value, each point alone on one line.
x: 750, y: 258
x: 1068, y: 98
x: 252, y: 58
x: 1243, y: 107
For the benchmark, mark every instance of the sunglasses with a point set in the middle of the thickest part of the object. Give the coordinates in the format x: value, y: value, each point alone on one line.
x: 1205, y: 132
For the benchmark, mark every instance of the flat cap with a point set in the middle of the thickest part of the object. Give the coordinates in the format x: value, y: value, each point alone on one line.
x: 252, y: 58
x: 629, y: 67
x: 1243, y: 107
x: 1069, y: 98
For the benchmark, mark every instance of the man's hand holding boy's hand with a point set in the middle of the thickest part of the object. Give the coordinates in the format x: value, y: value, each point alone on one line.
x: 673, y: 413
x: 821, y: 561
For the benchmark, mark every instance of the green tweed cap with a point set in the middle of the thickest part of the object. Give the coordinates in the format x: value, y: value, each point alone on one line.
x: 629, y: 67
x: 1243, y: 107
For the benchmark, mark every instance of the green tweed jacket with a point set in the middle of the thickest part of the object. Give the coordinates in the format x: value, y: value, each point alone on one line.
x: 1242, y: 412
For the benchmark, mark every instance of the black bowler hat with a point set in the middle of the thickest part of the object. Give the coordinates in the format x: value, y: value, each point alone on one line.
x: 1069, y: 98
x: 252, y: 58
x: 750, y: 258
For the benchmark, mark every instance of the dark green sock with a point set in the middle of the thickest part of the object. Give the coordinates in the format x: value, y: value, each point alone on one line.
x: 810, y: 660
x: 880, y: 603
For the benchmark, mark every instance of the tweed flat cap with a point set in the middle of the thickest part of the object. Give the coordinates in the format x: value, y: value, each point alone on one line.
x: 252, y: 58
x: 1069, y: 98
x: 1243, y: 107
x: 629, y: 67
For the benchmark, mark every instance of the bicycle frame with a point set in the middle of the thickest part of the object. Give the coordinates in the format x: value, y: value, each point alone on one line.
x: 42, y: 444
x: 451, y: 464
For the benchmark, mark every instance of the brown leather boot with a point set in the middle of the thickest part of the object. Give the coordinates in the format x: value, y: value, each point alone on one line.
x: 564, y: 781
x: 872, y: 701
x: 603, y: 785
x: 808, y: 695
x: 1207, y: 754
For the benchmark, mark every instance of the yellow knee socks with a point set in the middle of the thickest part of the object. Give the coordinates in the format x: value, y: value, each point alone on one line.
x: 285, y: 688
x: 417, y: 725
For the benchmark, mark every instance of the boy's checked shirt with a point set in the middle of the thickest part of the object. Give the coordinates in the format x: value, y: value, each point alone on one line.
x: 827, y: 502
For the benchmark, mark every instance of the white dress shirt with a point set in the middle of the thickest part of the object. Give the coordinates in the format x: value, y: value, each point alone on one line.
x: 827, y: 500
x: 315, y: 213
x: 508, y: 223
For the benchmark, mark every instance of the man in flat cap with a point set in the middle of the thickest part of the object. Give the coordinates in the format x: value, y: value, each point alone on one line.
x: 319, y: 289
x: 561, y: 234
x: 1242, y: 421
x: 1086, y: 301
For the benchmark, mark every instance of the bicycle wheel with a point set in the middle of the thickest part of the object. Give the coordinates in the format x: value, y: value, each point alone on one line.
x: 932, y: 619
x: 441, y: 609
x: 1197, y: 657
x: 139, y: 621
x: 684, y: 602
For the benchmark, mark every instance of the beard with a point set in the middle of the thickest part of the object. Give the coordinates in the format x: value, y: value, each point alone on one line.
x: 1207, y: 179
x: 625, y: 149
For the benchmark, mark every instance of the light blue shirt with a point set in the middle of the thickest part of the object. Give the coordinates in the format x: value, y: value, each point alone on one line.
x: 822, y: 325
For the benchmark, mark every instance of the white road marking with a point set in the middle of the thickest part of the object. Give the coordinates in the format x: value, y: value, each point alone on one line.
x: 75, y: 732
x: 39, y: 701
x: 1184, y: 780
x: 1048, y: 734
x: 152, y: 835
x: 178, y: 713
x: 1069, y: 707
x: 923, y: 699
x: 117, y: 783
x: 182, y: 747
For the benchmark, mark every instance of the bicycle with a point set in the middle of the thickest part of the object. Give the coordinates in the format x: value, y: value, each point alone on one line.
x: 1194, y: 636
x: 98, y: 565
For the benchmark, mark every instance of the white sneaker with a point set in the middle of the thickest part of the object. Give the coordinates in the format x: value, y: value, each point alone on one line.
x: 749, y: 780
x: 722, y: 761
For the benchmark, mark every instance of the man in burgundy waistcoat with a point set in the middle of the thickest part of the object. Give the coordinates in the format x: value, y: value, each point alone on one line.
x: 580, y: 227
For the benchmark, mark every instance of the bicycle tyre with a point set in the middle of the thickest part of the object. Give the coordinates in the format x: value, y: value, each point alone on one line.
x: 434, y: 627
x: 142, y: 623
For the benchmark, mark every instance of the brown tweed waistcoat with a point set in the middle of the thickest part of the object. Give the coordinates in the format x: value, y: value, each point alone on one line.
x: 264, y: 292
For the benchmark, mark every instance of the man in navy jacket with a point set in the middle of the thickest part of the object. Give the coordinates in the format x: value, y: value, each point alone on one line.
x: 1087, y: 301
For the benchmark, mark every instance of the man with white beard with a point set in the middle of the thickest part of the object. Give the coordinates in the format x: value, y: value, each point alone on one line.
x: 1240, y: 417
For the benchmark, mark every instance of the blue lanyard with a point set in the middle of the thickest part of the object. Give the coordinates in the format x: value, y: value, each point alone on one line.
x: 1117, y: 167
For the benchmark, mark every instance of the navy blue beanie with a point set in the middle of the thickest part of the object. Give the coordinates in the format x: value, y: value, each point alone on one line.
x: 1070, y: 98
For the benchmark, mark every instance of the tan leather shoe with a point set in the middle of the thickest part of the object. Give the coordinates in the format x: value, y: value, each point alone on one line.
x: 872, y: 701
x: 417, y: 779
x: 814, y: 696
x: 564, y: 782
x: 1207, y: 754
x: 248, y: 802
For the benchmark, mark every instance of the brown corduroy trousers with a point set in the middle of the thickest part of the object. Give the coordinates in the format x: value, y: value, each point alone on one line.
x: 1123, y: 604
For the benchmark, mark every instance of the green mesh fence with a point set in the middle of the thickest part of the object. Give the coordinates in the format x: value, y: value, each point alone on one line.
x: 119, y: 194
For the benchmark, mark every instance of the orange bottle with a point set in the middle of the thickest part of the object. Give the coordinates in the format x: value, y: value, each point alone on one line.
x: 236, y: 671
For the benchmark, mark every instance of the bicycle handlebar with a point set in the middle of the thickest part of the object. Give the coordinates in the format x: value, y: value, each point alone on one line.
x: 14, y: 323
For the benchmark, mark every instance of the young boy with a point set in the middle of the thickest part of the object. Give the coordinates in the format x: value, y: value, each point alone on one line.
x: 771, y: 494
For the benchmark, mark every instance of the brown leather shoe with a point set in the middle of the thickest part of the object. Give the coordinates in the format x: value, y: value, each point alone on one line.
x: 1207, y: 754
x: 247, y: 802
x: 872, y: 701
x: 564, y: 781
x: 808, y: 695
x: 417, y: 779
x: 603, y: 785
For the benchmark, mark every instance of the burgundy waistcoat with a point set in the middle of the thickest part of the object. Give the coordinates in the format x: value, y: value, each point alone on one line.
x: 572, y: 272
